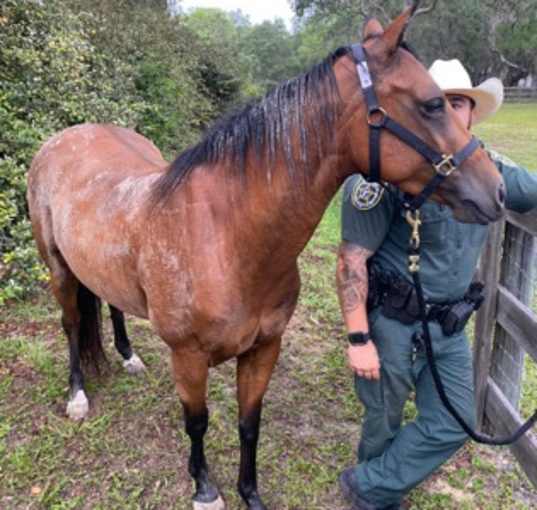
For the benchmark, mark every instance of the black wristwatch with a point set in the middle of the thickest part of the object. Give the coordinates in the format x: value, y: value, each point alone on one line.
x: 359, y: 338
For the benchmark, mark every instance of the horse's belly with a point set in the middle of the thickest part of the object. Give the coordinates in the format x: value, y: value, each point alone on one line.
x: 123, y: 295
x: 113, y: 280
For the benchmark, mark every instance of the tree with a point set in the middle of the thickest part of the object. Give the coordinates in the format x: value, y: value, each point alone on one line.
x: 168, y: 68
x: 489, y: 36
x: 271, y: 49
x: 222, y: 66
x: 256, y: 57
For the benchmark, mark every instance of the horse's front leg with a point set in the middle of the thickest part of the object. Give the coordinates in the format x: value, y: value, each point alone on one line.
x: 190, y: 370
x: 254, y: 369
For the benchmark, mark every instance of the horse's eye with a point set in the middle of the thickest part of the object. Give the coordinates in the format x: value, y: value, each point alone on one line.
x: 435, y: 106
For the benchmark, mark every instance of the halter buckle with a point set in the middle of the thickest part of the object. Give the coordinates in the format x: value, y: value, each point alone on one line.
x: 380, y: 114
x: 446, y: 167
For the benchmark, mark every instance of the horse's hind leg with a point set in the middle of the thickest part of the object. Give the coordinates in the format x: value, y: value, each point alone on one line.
x: 190, y: 371
x: 81, y: 323
x: 65, y: 289
x: 254, y: 369
x: 132, y: 363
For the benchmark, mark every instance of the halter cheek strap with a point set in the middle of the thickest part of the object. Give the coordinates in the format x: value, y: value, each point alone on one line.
x: 378, y: 119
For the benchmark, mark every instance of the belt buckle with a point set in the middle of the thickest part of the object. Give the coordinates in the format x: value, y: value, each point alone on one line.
x: 446, y: 167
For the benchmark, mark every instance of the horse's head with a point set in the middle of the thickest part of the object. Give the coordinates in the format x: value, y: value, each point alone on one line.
x: 475, y: 191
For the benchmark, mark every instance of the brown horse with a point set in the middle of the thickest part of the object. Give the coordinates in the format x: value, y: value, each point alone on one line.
x: 206, y: 248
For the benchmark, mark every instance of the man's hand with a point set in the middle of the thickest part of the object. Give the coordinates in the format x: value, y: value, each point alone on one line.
x: 364, y: 360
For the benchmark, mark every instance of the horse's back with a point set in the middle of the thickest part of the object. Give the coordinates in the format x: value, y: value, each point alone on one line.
x: 93, y: 145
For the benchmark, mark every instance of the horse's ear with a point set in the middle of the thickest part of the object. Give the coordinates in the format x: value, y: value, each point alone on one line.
x: 372, y: 28
x: 395, y: 33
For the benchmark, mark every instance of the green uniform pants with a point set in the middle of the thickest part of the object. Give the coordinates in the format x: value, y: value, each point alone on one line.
x: 394, y: 458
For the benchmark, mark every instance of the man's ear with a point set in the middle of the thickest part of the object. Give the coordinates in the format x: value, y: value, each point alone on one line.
x: 395, y: 33
x: 472, y: 119
x: 372, y: 28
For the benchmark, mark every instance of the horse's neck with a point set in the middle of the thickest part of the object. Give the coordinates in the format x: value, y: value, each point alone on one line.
x: 274, y: 217
x: 285, y: 214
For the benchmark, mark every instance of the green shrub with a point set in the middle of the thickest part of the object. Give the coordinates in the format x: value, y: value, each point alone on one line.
x: 62, y: 65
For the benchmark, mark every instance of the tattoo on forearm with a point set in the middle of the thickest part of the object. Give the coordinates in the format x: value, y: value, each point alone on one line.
x: 352, y: 279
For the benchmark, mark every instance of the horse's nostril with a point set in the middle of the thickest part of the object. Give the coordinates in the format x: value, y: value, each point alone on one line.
x: 501, y: 194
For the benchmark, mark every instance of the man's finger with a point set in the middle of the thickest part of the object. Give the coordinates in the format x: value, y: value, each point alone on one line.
x: 376, y: 374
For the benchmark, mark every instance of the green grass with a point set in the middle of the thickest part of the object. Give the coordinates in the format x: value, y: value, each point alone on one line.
x: 513, y: 132
x: 131, y: 453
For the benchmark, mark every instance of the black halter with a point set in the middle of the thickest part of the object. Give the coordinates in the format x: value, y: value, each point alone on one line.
x: 378, y: 119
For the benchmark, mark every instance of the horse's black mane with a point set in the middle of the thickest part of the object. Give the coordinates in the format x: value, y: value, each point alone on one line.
x: 266, y: 126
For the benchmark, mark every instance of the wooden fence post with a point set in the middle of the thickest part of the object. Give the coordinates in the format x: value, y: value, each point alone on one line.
x: 489, y: 274
x: 507, y: 363
x: 506, y: 329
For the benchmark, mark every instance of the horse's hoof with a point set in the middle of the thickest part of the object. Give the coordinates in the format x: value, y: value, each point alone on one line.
x: 134, y: 365
x: 253, y: 501
x: 217, y: 504
x: 78, y: 407
x: 257, y: 505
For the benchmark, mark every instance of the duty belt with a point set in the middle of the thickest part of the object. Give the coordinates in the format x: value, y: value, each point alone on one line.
x: 399, y: 301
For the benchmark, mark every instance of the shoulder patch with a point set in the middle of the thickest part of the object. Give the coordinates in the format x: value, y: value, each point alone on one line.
x: 366, y: 195
x: 500, y: 158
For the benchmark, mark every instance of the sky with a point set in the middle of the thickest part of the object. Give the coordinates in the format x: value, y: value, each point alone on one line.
x: 256, y: 10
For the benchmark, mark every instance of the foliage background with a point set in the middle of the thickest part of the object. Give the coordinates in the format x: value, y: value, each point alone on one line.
x: 64, y: 62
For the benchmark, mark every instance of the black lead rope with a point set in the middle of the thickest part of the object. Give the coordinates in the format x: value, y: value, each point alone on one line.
x: 414, y: 260
x: 378, y: 119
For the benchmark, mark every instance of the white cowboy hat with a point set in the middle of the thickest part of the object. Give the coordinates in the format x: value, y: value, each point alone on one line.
x: 453, y: 78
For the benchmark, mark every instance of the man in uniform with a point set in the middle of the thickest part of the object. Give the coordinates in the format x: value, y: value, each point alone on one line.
x: 385, y: 351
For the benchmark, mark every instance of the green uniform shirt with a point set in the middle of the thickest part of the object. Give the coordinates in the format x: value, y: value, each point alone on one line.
x: 373, y: 219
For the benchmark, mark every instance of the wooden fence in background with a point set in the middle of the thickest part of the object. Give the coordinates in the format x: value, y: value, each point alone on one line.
x: 506, y: 330
x: 519, y: 95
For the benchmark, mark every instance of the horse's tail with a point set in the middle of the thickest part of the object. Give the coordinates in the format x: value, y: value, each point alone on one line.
x: 90, y: 342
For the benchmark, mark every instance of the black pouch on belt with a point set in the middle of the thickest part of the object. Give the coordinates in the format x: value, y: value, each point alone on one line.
x: 401, y: 303
x: 456, y: 318
x: 458, y: 315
